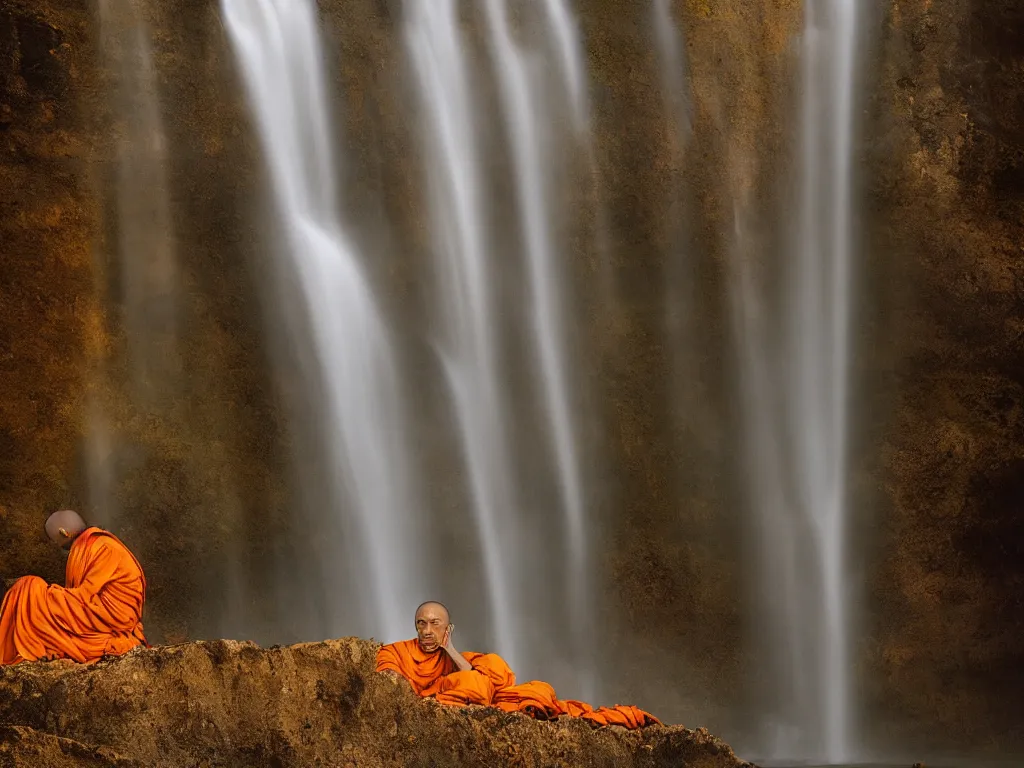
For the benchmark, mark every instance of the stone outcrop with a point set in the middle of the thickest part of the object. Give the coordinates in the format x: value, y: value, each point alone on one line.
x: 226, y: 704
x: 21, y: 746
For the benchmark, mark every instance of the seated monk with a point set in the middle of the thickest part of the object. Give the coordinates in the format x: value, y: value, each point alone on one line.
x: 436, y: 669
x: 97, y: 613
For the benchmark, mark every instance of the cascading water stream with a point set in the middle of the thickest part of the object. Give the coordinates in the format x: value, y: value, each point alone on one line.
x: 465, y: 277
x: 822, y: 338
x: 794, y: 383
x: 469, y: 345
x: 518, y: 87
x: 566, y: 43
x: 278, y: 49
x: 796, y: 404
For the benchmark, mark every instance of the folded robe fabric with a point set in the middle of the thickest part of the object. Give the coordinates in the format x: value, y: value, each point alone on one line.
x: 97, y: 613
x: 625, y: 715
x: 435, y: 674
x: 536, y: 698
x: 491, y: 683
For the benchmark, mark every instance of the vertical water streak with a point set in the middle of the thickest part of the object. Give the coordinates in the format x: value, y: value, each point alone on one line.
x: 469, y: 345
x: 277, y: 45
x: 777, y: 525
x: 569, y: 50
x: 567, y: 46
x: 679, y: 271
x: 796, y: 392
x: 673, y: 66
x: 828, y: 160
x: 521, y: 97
x: 146, y: 246
x: 145, y: 274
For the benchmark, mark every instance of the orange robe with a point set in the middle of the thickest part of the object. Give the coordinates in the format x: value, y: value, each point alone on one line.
x: 435, y: 674
x: 98, y: 613
x: 492, y: 683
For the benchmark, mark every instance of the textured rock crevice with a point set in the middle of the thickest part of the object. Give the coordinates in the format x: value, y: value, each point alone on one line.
x: 227, y: 703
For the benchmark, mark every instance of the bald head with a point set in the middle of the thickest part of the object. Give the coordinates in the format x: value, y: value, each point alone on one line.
x: 432, y: 620
x: 433, y: 605
x: 63, y: 526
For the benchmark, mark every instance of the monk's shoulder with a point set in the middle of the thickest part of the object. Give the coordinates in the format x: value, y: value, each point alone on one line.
x: 102, y: 543
x: 399, y: 648
x: 395, y: 657
x: 106, y: 546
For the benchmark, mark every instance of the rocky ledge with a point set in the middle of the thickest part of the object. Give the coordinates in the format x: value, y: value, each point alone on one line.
x: 227, y: 703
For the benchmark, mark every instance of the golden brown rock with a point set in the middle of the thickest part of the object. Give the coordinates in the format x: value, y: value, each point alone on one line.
x: 226, y: 704
x: 946, y: 149
x: 22, y: 747
x: 47, y: 226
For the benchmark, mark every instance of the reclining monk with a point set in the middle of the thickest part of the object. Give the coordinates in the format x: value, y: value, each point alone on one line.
x: 97, y: 613
x: 436, y: 669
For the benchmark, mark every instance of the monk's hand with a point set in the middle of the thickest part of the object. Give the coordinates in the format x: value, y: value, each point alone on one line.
x: 460, y: 661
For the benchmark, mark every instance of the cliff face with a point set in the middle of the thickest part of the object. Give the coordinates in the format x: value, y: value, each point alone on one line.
x: 189, y: 466
x: 946, y: 147
x: 234, y: 704
x: 148, y: 411
x: 48, y: 223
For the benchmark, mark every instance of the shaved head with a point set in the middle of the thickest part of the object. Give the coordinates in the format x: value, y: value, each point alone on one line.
x: 434, y: 604
x: 432, y: 621
x: 63, y: 526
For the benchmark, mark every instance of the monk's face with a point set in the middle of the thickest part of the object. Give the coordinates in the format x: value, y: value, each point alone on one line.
x: 431, y: 623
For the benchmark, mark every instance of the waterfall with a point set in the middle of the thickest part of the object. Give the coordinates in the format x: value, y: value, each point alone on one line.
x: 519, y: 85
x: 822, y: 338
x: 565, y: 39
x: 465, y: 248
x: 349, y: 371
x: 796, y: 395
x: 496, y: 142
x: 468, y: 347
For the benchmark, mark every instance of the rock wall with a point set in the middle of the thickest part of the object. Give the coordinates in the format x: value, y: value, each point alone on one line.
x: 48, y: 224
x: 946, y: 148
x: 223, y: 703
x: 192, y: 469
